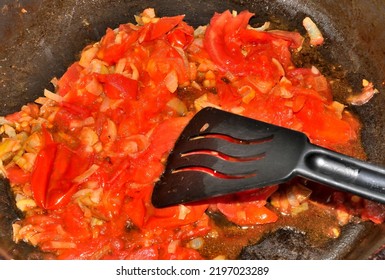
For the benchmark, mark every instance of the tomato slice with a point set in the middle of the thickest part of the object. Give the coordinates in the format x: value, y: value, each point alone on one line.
x: 110, y: 51
x: 52, y: 177
x: 175, y: 216
x: 247, y: 213
x: 117, y: 86
x: 181, y: 36
x: 221, y: 40
x: 17, y: 175
x: 69, y: 78
x: 248, y: 208
x: 162, y: 26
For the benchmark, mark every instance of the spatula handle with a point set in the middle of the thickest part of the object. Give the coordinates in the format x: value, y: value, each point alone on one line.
x: 343, y: 172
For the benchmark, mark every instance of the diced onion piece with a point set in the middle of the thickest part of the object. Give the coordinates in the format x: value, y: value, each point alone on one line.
x: 343, y: 217
x: 196, y: 243
x: 112, y: 130
x: 367, y: 93
x: 33, y: 143
x: 291, y: 201
x: 315, y: 34
x: 183, y: 212
x: 9, y: 130
x: 247, y: 93
x: 279, y: 66
x: 202, y: 102
x: 7, y: 146
x: 171, y: 81
x: 87, y: 56
x: 300, y: 208
x: 264, y: 27
x: 94, y: 87
x: 133, y: 144
x: 25, y: 204
x: 285, y: 93
x: 53, y: 96
x: 334, y: 232
x: 84, y: 176
x: 338, y: 108
x: 119, y: 67
x: 261, y: 85
x: 26, y: 161
x: 178, y: 106
x: 171, y: 249
x: 3, y: 172
x: 88, y: 136
x: 135, y: 72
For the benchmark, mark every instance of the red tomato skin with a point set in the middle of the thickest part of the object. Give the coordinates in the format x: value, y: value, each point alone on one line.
x: 162, y: 26
x: 68, y: 80
x: 41, y: 173
x: 18, y: 176
x: 117, y: 86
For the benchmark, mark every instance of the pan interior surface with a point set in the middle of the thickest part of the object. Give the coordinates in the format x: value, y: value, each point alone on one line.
x: 41, y: 38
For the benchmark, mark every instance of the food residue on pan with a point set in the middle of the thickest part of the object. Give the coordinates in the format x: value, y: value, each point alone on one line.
x: 82, y: 159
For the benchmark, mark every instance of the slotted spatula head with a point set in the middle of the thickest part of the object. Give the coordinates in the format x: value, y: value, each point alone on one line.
x: 220, y: 153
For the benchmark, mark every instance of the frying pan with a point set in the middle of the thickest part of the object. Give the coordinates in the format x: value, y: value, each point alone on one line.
x: 40, y: 38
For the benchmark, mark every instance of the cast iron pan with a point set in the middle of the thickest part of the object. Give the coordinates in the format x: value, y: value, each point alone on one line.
x: 39, y: 39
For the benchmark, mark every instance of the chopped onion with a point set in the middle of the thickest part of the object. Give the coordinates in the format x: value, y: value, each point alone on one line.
x: 247, y: 93
x: 366, y: 94
x: 25, y: 204
x: 264, y: 27
x: 171, y: 81
x: 7, y: 146
x: 178, y: 106
x: 112, y: 130
x: 53, y: 96
x: 261, y: 85
x: 292, y: 200
x: 84, y: 176
x: 133, y: 144
x: 135, y: 72
x: 87, y: 56
x: 315, y: 34
x: 94, y: 87
x: 88, y: 136
x: 334, y: 232
x: 196, y: 243
x: 119, y: 67
x: 183, y: 212
x: 338, y: 108
x: 171, y: 249
x: 279, y: 66
x: 202, y: 102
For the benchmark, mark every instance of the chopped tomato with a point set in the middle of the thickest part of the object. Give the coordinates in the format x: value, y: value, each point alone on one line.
x: 111, y: 50
x: 69, y: 79
x: 117, y: 86
x: 52, y: 178
x: 247, y: 213
x: 248, y: 208
x: 181, y: 36
x: 105, y: 143
x: 175, y: 216
x: 221, y: 41
x: 162, y: 26
x: 17, y: 175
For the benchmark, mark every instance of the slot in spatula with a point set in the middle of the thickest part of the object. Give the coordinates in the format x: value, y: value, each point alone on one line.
x: 220, y: 153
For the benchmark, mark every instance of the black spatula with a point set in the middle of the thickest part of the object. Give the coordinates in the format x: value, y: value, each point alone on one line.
x: 220, y: 153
